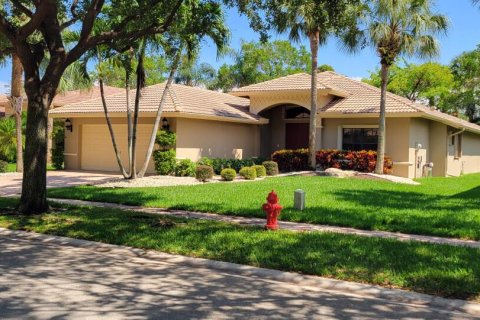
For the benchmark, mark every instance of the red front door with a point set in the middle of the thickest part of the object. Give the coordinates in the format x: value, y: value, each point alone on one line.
x: 296, y: 135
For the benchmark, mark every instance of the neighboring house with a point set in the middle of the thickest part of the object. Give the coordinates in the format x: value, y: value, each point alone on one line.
x: 63, y: 98
x: 3, y: 102
x: 258, y: 119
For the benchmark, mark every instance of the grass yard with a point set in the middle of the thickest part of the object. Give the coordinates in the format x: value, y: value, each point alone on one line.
x: 11, y: 167
x: 434, y: 269
x: 448, y: 207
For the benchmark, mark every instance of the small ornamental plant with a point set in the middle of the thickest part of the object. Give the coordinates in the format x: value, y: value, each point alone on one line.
x: 228, y: 174
x: 3, y: 166
x: 271, y: 168
x: 248, y: 173
x: 185, y: 168
x: 203, y: 173
x: 261, y: 170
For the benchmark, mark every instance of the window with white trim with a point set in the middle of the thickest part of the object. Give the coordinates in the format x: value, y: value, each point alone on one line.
x: 356, y: 139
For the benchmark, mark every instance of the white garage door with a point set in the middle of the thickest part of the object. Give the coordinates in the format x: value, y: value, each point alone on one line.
x: 97, y: 150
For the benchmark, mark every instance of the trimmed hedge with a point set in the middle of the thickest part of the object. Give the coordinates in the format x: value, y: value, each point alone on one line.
x: 219, y: 164
x: 271, y: 168
x: 204, y: 173
x: 261, y: 171
x: 361, y: 161
x: 185, y: 168
x: 165, y: 161
x: 3, y: 166
x: 291, y: 160
x: 228, y: 174
x: 249, y: 173
x: 205, y: 161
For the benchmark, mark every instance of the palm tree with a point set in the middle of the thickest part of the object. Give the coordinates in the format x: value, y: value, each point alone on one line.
x: 8, y: 139
x: 316, y: 20
x: 398, y: 28
x: 16, y: 101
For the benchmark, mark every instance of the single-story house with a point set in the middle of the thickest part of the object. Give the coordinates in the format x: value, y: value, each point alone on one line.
x: 3, y: 101
x: 258, y: 119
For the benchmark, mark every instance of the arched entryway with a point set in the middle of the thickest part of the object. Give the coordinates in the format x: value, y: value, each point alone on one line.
x: 288, y: 128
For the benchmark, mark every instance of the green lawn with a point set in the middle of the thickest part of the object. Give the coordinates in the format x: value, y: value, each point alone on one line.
x: 434, y: 269
x: 439, y: 206
x: 11, y: 167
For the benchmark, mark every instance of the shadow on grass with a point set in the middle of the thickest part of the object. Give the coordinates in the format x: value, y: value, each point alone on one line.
x: 433, y: 269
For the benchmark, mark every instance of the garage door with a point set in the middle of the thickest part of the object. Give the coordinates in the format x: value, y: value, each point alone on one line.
x: 97, y: 150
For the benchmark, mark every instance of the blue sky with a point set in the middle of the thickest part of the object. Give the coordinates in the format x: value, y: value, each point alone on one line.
x: 463, y: 35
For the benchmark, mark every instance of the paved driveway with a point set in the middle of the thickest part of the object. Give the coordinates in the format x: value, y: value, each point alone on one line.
x: 41, y: 279
x: 11, y: 184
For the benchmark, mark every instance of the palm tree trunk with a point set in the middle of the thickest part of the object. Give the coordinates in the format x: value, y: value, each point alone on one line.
x: 16, y: 104
x: 312, y: 139
x: 129, y: 123
x: 112, y: 134
x: 159, y: 116
x: 381, y: 124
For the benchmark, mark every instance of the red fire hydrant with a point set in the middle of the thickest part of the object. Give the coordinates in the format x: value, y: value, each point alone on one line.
x: 272, y: 209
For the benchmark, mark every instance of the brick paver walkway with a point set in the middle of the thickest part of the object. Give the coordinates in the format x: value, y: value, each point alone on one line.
x: 293, y: 226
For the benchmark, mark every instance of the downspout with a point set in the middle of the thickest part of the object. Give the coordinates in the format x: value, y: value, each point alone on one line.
x: 448, y: 139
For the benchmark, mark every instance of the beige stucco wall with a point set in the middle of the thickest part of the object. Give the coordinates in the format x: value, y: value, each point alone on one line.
x: 397, y: 139
x: 419, y: 146
x: 260, y: 102
x: 438, y: 148
x: 215, y: 139
x: 471, y: 152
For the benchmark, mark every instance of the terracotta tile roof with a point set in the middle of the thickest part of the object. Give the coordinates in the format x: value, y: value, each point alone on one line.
x: 75, y: 96
x: 2, y: 112
x: 299, y: 81
x: 364, y: 98
x: 182, y: 99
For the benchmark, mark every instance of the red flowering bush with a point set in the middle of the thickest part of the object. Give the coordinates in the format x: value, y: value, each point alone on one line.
x: 291, y: 160
x: 361, y: 161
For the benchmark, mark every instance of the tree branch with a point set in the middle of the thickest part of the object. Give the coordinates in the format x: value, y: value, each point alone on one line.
x: 22, y: 8
x: 35, y: 20
x: 7, y: 29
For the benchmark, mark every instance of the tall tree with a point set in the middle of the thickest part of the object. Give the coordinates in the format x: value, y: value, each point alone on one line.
x: 125, y: 21
x: 429, y: 83
x: 398, y: 28
x: 261, y: 61
x: 466, y: 94
x: 316, y: 20
x: 16, y: 102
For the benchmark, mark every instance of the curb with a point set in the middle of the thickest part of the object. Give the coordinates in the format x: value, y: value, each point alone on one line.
x: 345, y: 287
x: 285, y: 225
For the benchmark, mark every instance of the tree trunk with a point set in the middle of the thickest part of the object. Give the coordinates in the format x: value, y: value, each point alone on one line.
x: 16, y: 104
x: 34, y: 185
x: 381, y: 124
x: 112, y: 134
x: 314, y: 41
x: 159, y: 116
x: 129, y: 123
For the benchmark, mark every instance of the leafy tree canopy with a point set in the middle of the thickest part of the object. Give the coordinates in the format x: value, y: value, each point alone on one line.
x: 257, y: 61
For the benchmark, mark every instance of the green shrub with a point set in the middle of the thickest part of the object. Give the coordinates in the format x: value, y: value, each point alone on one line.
x: 249, y: 173
x: 219, y: 164
x: 58, y: 144
x: 185, y: 168
x: 291, y: 160
x: 203, y: 173
x: 166, y: 139
x: 271, y: 168
x: 228, y: 174
x: 205, y: 161
x: 261, y: 170
x: 164, y: 161
x: 3, y: 166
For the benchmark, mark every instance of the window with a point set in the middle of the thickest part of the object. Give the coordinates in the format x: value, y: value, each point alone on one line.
x: 356, y: 139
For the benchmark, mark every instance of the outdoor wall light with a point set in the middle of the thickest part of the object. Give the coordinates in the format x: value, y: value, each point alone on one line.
x: 68, y: 125
x: 165, y: 125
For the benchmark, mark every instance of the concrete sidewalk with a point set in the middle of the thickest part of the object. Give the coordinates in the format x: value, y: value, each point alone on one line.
x: 53, y: 277
x: 293, y: 226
